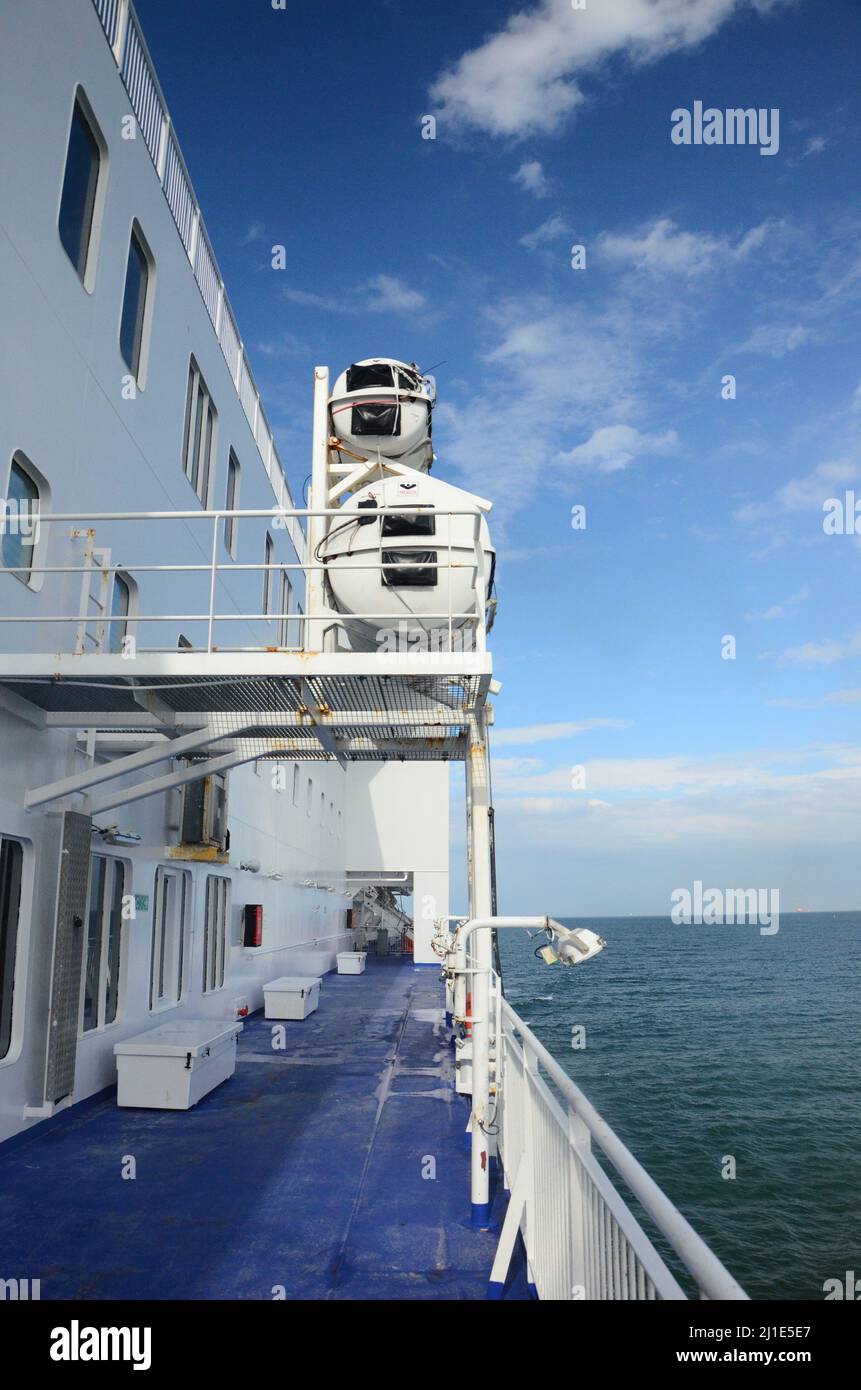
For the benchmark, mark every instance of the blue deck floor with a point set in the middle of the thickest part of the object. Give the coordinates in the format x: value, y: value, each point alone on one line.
x: 305, y: 1170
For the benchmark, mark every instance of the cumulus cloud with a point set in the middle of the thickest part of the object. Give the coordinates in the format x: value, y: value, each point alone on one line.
x: 531, y: 177
x: 614, y: 447
x: 526, y: 78
x: 662, y: 248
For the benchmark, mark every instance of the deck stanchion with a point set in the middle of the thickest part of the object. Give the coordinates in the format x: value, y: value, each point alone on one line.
x: 478, y: 796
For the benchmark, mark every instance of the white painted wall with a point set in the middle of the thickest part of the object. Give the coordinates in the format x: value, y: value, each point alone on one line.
x: 61, y: 404
x: 398, y: 821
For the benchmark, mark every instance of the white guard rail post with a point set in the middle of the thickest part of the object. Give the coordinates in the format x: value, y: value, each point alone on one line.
x: 581, y: 1239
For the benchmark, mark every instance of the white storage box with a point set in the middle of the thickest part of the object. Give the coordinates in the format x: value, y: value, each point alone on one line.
x: 293, y: 996
x: 352, y: 962
x: 174, y: 1066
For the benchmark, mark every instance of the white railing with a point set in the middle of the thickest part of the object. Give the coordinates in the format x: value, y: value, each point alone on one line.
x: 128, y: 45
x: 581, y: 1238
x: 202, y: 579
x: 206, y: 273
x: 142, y: 87
x: 109, y: 14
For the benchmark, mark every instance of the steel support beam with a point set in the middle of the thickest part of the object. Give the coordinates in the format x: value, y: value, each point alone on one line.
x: 434, y: 717
x: 119, y: 767
x: 478, y: 800
x: 124, y: 795
x: 326, y: 739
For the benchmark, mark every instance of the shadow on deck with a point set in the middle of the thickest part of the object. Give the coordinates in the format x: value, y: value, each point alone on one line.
x: 304, y: 1171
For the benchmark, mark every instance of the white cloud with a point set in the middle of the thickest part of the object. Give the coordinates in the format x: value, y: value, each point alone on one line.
x: 779, y: 610
x: 815, y: 145
x: 662, y: 248
x: 680, y: 776
x: 545, y: 733
x: 388, y: 294
x: 824, y: 653
x: 802, y: 494
x: 835, y: 697
x: 551, y: 230
x: 531, y: 177
x: 615, y: 447
x: 775, y: 339
x: 382, y: 294
x: 525, y: 78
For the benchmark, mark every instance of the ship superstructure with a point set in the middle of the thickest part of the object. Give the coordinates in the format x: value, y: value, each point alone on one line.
x: 215, y: 705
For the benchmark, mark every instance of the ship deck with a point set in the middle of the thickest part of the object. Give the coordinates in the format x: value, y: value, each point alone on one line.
x: 307, y: 1170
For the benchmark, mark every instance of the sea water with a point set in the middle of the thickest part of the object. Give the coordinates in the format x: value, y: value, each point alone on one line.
x: 729, y: 1063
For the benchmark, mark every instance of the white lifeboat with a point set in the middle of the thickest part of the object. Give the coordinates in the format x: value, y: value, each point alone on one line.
x: 382, y: 408
x: 412, y: 566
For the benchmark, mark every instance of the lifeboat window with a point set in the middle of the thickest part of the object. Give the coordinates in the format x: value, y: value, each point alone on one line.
x: 408, y: 574
x: 11, y: 861
x: 100, y: 991
x: 376, y: 418
x: 410, y: 524
x: 361, y: 378
x: 80, y: 186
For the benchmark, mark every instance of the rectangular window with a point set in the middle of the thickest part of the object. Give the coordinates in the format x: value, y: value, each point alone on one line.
x: 268, y: 550
x: 20, y: 520
x: 100, y: 985
x: 215, y: 931
x: 232, y: 503
x: 295, y: 784
x: 80, y: 183
x: 11, y: 862
x: 169, y: 932
x: 309, y: 797
x: 199, y: 433
x: 135, y: 305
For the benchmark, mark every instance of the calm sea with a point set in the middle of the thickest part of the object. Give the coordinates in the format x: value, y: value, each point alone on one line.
x: 704, y: 1042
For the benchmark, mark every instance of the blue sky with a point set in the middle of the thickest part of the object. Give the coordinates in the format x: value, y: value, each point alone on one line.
x: 598, y: 387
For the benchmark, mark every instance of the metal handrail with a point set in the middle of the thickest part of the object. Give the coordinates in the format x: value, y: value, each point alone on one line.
x: 709, y: 1274
x: 475, y: 621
